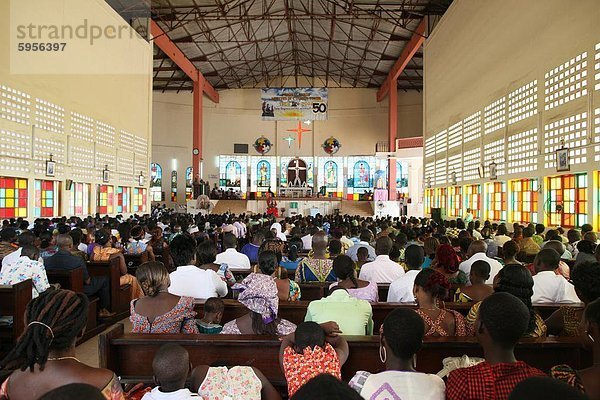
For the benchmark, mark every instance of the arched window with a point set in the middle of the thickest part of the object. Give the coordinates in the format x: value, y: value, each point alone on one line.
x: 174, y: 186
x: 189, y: 192
x: 233, y: 174
x: 401, y: 175
x: 156, y: 176
x: 330, y: 172
x: 263, y: 174
x: 362, y: 174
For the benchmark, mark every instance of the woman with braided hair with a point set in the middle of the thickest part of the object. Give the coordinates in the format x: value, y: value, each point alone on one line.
x: 430, y: 290
x: 345, y: 270
x: 516, y: 280
x: 44, y: 356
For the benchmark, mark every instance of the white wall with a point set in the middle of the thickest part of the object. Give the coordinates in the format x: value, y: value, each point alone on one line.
x: 95, y: 86
x: 482, y: 51
x: 355, y: 119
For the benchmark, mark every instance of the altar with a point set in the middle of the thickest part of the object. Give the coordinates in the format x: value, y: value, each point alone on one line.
x: 297, y: 182
x: 291, y: 207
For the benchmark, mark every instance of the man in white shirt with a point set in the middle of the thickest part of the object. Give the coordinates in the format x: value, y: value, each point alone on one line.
x: 477, y: 251
x: 501, y: 235
x: 382, y: 270
x: 401, y: 290
x: 364, y: 239
x: 548, y: 287
x: 307, y: 239
x: 236, y: 260
x: 189, y: 280
x: 26, y: 238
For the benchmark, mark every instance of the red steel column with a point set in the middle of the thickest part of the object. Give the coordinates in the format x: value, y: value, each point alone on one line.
x: 392, y: 130
x: 197, y: 124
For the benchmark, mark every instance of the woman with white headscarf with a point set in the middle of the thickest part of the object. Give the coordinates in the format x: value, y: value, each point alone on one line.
x: 278, y: 233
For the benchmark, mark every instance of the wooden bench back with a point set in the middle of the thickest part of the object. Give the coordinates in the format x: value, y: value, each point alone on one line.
x: 13, y: 302
x: 119, y: 296
x: 71, y: 279
x: 130, y: 355
x: 295, y: 311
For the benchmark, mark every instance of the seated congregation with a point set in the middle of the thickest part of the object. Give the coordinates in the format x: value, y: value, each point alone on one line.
x: 246, y: 307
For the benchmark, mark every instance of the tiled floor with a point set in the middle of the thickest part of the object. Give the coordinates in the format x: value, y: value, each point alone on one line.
x: 87, y: 352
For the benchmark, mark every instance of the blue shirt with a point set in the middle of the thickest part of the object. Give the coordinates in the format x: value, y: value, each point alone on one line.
x: 251, y: 250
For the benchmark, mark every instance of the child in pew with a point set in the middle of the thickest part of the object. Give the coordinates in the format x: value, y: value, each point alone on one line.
x: 213, y: 313
x: 362, y: 254
x: 310, y: 351
x: 171, y: 367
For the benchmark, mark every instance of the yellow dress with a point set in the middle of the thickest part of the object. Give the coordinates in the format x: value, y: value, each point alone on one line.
x: 540, y: 329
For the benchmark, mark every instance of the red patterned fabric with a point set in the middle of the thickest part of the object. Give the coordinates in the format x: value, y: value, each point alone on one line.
x: 488, y: 382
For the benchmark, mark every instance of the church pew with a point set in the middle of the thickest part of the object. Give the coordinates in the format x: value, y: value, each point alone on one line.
x: 130, y: 355
x: 134, y: 260
x: 13, y: 303
x: 120, y: 296
x: 295, y: 311
x: 72, y: 279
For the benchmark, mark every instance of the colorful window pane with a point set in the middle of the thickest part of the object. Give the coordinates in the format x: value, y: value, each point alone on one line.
x: 455, y: 202
x: 496, y: 201
x: 233, y: 173
x: 435, y: 198
x: 79, y: 199
x: 189, y: 191
x: 105, y: 201
x: 46, y: 199
x: 263, y: 175
x: 13, y: 197
x: 472, y: 197
x: 156, y: 182
x: 524, y: 201
x: 139, y: 200
x: 174, y: 186
x: 362, y: 175
x: 402, y: 176
x: 123, y: 196
x: 566, y: 200
x: 330, y: 170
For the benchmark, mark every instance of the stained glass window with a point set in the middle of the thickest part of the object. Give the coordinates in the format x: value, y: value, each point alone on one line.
x: 189, y: 190
x: 79, y: 199
x: 496, y: 201
x: 428, y: 200
x: 156, y: 182
x: 472, y: 196
x: 455, y: 202
x: 123, y: 196
x: 233, y: 173
x: 566, y: 200
x: 13, y: 197
x: 47, y: 202
x: 263, y: 174
x: 106, y: 198
x: 362, y: 175
x: 524, y: 201
x: 139, y: 200
x: 330, y: 174
x: 174, y: 186
x: 402, y: 176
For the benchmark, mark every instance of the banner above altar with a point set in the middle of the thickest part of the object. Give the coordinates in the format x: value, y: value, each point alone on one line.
x: 294, y: 104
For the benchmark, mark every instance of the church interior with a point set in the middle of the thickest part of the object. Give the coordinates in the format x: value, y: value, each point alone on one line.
x: 427, y: 121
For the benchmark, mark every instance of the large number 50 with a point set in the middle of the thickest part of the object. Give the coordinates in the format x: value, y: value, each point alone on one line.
x: 319, y: 107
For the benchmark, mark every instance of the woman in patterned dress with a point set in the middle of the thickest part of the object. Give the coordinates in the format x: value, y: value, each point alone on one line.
x: 585, y: 380
x: 160, y: 311
x: 430, y: 290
